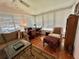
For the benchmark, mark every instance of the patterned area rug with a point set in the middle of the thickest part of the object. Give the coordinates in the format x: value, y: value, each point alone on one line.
x: 39, y: 54
x: 36, y: 54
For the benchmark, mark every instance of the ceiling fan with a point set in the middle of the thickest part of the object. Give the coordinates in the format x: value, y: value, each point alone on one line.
x: 22, y: 2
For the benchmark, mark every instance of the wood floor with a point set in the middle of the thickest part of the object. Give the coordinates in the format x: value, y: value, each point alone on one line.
x: 59, y: 53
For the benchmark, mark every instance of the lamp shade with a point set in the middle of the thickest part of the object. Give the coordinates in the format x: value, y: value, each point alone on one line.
x: 23, y: 23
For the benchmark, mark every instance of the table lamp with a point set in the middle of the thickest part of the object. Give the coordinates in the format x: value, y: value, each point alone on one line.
x: 23, y: 25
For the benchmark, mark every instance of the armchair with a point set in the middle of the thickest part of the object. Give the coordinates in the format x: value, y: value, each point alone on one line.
x: 57, y: 32
x: 53, y: 39
x: 31, y: 32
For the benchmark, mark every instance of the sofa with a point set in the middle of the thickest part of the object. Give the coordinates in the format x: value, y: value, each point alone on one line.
x: 7, y: 37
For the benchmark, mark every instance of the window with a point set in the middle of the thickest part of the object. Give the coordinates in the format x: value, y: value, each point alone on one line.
x: 6, y: 23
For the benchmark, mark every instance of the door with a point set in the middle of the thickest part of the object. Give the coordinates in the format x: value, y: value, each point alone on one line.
x: 71, y: 27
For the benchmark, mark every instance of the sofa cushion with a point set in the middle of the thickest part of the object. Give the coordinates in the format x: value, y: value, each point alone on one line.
x: 10, y: 36
x: 1, y: 39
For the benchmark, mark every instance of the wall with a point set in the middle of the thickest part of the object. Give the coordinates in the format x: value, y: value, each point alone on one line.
x: 61, y: 17
x: 76, y: 48
x: 76, y: 44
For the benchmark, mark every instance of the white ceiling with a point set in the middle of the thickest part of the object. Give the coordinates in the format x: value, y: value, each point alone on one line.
x: 35, y: 6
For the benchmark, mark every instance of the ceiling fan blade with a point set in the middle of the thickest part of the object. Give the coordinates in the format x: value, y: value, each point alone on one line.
x: 24, y: 3
x: 13, y: 0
